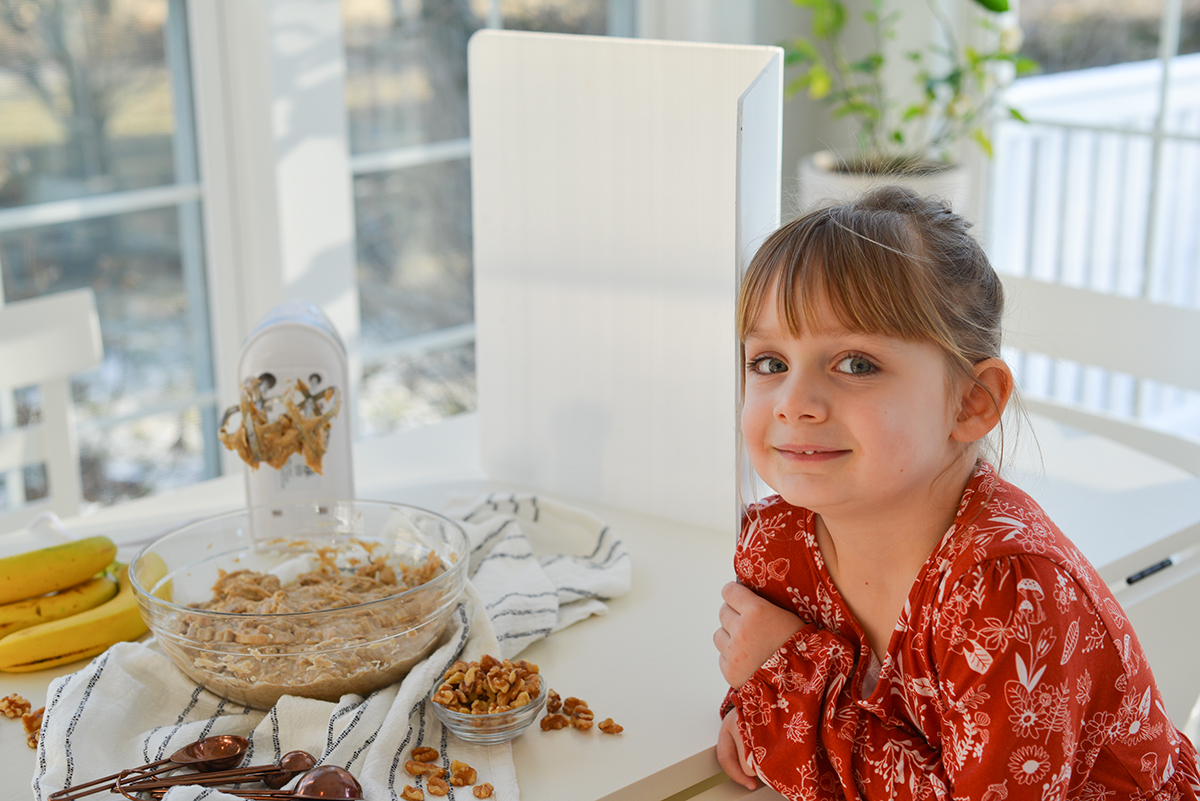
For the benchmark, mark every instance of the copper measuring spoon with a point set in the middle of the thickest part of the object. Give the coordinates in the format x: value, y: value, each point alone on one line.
x: 219, y: 752
x: 327, y: 783
x: 290, y: 765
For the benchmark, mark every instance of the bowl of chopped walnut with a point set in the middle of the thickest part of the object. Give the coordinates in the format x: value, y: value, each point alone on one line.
x: 490, y: 701
x: 316, y: 600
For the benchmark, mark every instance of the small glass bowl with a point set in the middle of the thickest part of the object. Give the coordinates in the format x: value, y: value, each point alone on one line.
x: 493, y: 728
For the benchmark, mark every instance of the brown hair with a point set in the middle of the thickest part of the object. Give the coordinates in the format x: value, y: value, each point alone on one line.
x: 891, y: 262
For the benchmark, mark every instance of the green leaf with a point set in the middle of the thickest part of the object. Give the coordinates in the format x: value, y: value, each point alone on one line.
x: 870, y: 64
x: 994, y: 5
x: 1026, y: 65
x: 864, y: 110
x: 983, y: 141
x: 800, y: 50
x: 1017, y: 115
x: 828, y: 19
x: 819, y: 82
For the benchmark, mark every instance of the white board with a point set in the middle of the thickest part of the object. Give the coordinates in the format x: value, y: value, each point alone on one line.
x: 618, y: 185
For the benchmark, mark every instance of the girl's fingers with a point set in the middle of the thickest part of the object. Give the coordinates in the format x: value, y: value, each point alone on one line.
x: 733, y: 593
x: 726, y: 615
x: 729, y: 752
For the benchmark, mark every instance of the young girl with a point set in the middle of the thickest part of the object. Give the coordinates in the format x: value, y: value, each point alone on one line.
x: 905, y: 623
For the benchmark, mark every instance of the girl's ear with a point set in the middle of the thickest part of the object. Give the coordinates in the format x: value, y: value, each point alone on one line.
x: 983, y: 401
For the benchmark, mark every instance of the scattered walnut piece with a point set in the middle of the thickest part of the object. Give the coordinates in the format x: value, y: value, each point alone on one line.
x: 576, y: 713
x: 14, y: 706
x: 415, y: 768
x: 487, y: 686
x: 424, y: 753
x: 608, y: 727
x: 33, y: 726
x: 410, y: 793
x: 484, y: 790
x: 555, y: 721
x: 437, y: 786
x: 461, y: 773
x: 581, y: 715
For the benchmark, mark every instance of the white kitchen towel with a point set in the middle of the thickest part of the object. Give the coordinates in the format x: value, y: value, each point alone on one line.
x: 536, y: 567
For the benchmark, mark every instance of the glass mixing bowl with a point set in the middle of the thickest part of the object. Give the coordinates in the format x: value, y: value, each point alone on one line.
x: 297, y: 623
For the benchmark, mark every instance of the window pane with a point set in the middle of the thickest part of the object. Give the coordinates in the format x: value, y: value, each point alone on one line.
x: 406, y: 87
x: 154, y: 330
x: 414, y: 251
x: 406, y: 71
x: 85, y: 99
x: 556, y: 16
x: 91, y: 95
x: 409, y: 390
x: 140, y: 457
x: 1074, y: 34
x: 1189, y: 33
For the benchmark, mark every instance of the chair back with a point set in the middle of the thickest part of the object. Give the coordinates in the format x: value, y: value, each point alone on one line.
x: 1136, y: 337
x: 43, y: 342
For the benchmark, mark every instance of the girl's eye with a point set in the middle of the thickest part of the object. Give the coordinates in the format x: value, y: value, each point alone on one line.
x: 767, y: 364
x: 855, y: 365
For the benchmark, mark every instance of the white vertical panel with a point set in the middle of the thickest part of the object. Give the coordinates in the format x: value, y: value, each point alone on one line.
x: 606, y: 186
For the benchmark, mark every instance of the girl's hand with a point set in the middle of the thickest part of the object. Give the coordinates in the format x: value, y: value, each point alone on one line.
x: 731, y: 753
x: 752, y: 629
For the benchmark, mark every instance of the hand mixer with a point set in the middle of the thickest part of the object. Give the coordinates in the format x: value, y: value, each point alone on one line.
x: 294, y: 432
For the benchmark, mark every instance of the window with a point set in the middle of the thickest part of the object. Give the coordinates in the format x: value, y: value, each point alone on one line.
x: 190, y: 223
x: 1102, y: 188
x: 99, y: 188
x: 406, y: 92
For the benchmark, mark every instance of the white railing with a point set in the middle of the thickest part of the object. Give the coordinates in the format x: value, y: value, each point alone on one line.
x: 1102, y: 189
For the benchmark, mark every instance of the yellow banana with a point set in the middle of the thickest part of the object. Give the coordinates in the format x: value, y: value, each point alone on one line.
x: 82, y: 635
x: 64, y: 603
x: 34, y: 573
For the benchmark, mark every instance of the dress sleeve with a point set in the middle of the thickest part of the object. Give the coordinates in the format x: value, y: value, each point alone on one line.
x: 784, y: 704
x: 1037, y: 673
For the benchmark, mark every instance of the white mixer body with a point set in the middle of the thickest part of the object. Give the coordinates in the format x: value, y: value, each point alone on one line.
x: 297, y: 341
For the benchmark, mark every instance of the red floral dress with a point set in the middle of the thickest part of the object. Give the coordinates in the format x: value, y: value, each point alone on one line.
x: 1012, y: 672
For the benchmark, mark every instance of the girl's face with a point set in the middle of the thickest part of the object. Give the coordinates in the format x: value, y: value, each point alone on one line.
x: 842, y: 422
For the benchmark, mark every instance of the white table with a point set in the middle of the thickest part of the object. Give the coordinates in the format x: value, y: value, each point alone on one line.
x: 649, y: 663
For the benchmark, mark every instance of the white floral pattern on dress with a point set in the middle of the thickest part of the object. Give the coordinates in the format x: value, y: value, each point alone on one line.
x: 1013, y: 672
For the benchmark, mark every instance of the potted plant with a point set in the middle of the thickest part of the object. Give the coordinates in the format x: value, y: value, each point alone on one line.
x: 904, y: 128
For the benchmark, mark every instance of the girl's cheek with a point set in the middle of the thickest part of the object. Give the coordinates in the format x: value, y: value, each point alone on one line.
x: 752, y: 412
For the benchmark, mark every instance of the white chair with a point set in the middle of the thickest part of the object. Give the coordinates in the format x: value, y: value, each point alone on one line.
x: 43, y: 342
x: 1160, y: 539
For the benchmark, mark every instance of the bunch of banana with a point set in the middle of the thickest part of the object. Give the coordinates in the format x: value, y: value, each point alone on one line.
x: 62, y: 606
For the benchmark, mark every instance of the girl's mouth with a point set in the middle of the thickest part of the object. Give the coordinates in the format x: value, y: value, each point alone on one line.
x: 806, y: 454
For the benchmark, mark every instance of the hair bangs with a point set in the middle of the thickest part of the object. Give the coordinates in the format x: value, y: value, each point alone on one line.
x: 864, y: 272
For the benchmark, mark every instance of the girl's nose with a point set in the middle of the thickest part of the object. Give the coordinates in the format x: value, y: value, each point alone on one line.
x: 801, y: 398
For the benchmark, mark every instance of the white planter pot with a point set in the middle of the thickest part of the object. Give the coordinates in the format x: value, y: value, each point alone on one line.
x: 821, y: 183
